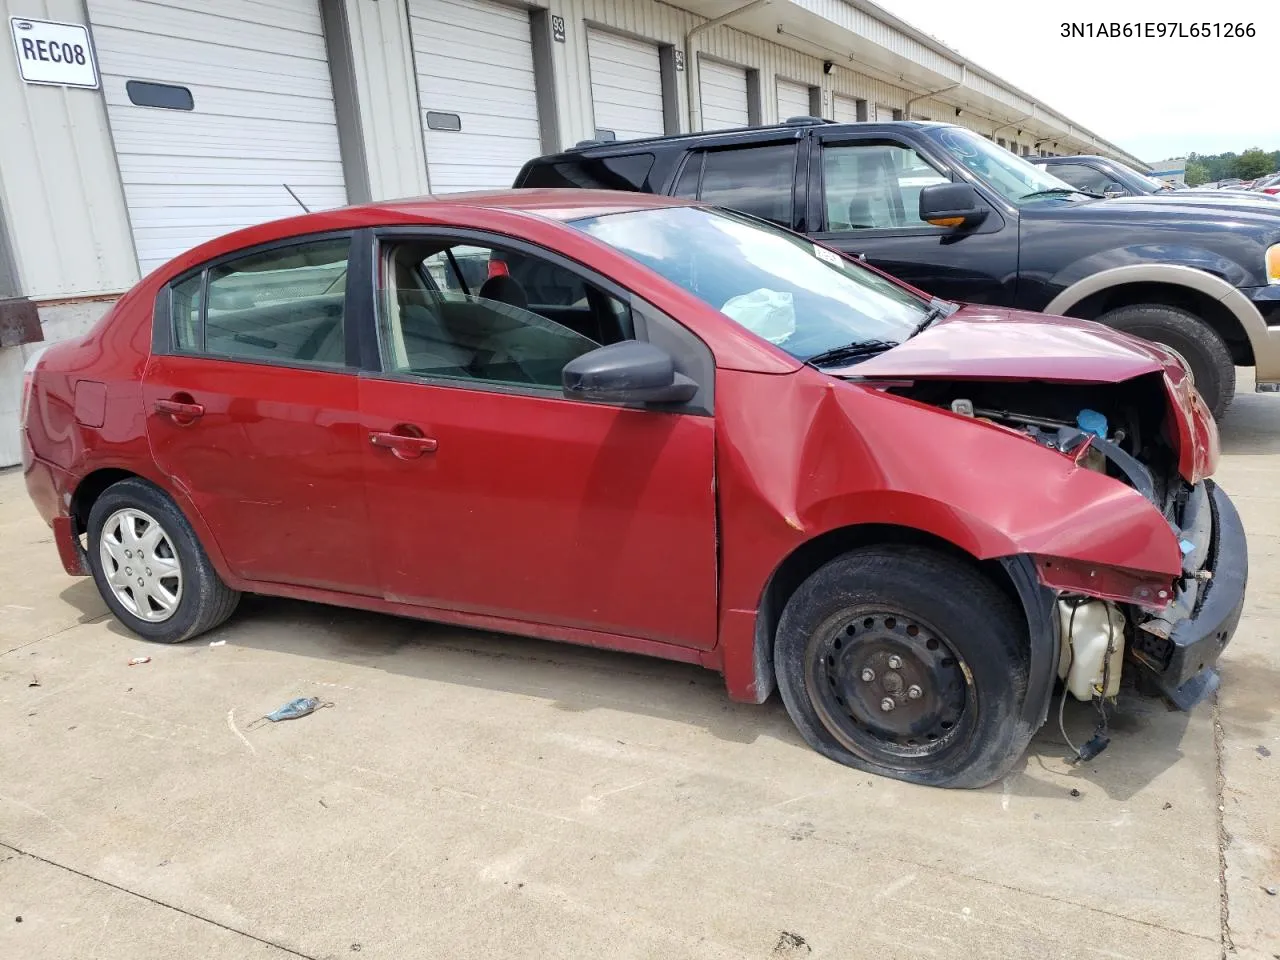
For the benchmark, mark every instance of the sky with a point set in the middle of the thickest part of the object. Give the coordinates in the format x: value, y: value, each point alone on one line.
x: 1155, y: 98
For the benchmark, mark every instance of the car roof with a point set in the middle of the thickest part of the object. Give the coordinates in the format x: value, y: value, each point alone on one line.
x: 498, y: 209
x: 604, y: 148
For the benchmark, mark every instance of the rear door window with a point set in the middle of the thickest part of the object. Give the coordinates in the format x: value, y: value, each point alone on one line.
x: 756, y: 180
x: 284, y: 305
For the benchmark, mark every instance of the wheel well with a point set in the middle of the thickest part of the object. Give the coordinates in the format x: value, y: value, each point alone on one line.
x: 1212, y: 311
x: 812, y: 554
x: 89, y: 490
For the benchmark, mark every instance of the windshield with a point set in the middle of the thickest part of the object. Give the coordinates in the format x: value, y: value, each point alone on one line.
x: 801, y: 297
x: 1008, y: 174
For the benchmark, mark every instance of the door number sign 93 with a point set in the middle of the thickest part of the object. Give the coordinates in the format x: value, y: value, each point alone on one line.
x: 54, y: 53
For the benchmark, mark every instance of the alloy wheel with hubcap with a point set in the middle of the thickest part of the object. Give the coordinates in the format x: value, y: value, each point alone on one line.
x: 141, y: 565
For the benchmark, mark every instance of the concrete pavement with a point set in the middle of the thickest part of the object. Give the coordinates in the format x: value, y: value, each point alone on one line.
x: 473, y: 795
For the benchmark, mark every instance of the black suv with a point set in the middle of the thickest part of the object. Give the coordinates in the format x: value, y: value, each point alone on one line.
x: 962, y: 218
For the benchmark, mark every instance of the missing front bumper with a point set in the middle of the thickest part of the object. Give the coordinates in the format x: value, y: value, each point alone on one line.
x: 1181, y: 666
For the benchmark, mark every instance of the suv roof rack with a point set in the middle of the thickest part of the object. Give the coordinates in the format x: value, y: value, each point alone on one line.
x: 804, y: 121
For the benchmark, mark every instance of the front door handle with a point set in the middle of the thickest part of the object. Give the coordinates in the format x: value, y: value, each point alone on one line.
x: 182, y: 411
x: 406, y: 446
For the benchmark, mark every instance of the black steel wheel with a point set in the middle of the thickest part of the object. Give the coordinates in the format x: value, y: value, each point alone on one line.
x: 886, y: 683
x: 907, y: 663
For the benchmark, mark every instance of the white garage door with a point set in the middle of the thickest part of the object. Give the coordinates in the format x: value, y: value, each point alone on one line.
x: 474, y: 61
x: 259, y: 117
x: 844, y: 109
x: 882, y: 113
x: 723, y: 95
x: 626, y: 86
x: 793, y: 100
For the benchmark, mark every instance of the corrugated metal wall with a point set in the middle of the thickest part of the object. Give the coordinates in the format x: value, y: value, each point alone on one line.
x: 60, y: 190
x: 387, y: 93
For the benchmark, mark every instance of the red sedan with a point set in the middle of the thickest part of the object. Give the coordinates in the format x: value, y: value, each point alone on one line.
x: 657, y: 427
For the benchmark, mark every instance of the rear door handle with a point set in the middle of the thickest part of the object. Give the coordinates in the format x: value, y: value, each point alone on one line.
x: 180, y: 410
x: 404, y: 446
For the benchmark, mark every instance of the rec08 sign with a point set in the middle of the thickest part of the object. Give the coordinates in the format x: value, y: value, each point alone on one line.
x: 54, y: 53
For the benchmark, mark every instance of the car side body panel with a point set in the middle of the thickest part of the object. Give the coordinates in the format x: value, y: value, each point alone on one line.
x: 798, y: 453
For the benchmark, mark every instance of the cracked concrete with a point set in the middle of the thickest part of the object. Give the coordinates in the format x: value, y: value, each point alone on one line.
x: 473, y: 795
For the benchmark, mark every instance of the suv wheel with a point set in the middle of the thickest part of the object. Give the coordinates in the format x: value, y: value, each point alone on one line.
x: 906, y: 663
x: 1192, y: 339
x: 150, y: 568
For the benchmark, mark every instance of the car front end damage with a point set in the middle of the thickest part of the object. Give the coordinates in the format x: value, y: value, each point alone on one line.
x: 1165, y: 628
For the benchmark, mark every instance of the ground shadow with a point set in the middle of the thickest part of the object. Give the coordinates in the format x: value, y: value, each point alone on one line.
x: 1147, y: 738
x: 1147, y: 735
x: 83, y: 595
x: 573, y: 678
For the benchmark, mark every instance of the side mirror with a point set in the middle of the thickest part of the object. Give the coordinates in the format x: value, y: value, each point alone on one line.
x: 626, y: 372
x: 951, y: 205
x: 1113, y: 189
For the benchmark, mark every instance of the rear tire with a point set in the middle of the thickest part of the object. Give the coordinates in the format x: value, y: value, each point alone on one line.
x: 906, y: 663
x: 150, y: 568
x: 1193, y: 339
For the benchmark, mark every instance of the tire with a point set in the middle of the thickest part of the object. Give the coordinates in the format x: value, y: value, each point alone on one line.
x: 163, y: 588
x: 1193, y: 339
x: 849, y: 620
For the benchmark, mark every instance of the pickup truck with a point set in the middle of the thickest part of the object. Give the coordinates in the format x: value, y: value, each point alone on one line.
x: 953, y: 214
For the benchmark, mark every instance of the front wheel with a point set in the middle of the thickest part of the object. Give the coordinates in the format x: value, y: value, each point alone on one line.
x: 150, y: 568
x: 906, y: 663
x: 1192, y: 339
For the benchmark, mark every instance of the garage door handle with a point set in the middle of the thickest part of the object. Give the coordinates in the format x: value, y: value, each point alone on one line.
x: 403, y: 446
x: 180, y: 410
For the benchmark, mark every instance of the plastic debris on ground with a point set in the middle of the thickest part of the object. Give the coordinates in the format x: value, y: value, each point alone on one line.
x: 137, y: 660
x: 294, y: 709
x: 217, y: 643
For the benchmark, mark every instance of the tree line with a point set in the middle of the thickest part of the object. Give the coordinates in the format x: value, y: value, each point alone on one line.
x: 1209, y: 168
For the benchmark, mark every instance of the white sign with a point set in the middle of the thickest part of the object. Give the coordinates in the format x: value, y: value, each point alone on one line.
x: 55, y: 53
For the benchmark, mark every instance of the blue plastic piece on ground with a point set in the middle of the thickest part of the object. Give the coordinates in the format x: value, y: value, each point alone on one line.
x: 1091, y: 421
x: 1187, y: 546
x: 295, y: 709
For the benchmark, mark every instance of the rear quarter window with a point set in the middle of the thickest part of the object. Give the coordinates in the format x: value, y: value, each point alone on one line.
x: 627, y: 172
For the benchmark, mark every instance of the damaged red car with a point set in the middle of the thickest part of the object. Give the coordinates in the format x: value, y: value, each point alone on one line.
x: 657, y: 427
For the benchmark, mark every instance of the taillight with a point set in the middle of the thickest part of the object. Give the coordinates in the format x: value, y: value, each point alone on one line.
x: 28, y: 380
x: 1271, y: 190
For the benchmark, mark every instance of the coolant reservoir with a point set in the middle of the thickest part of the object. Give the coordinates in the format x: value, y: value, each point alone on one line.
x: 1092, y: 647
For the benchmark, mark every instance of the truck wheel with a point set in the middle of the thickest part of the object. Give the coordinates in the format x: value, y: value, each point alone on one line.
x: 906, y: 663
x: 150, y: 568
x: 1195, y: 341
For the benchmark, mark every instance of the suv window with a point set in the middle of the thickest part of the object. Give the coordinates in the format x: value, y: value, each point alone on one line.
x: 755, y: 180
x: 1079, y: 175
x: 875, y: 185
x: 491, y: 314
x: 285, y: 305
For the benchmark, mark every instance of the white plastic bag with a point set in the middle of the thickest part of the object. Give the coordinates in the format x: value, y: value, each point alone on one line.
x: 766, y: 313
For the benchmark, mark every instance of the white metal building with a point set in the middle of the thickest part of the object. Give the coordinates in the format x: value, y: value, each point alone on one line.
x: 209, y: 116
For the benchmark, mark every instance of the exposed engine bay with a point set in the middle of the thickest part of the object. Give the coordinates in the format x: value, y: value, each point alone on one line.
x: 1123, y: 431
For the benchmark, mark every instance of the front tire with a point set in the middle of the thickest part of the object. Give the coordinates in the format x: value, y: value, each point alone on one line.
x: 906, y: 663
x: 1193, y: 339
x: 150, y: 568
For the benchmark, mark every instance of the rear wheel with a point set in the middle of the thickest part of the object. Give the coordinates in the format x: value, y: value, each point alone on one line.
x: 150, y: 568
x: 1192, y: 339
x: 906, y: 663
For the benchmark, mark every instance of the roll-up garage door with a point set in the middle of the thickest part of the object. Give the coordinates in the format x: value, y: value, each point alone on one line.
x: 216, y: 114
x: 474, y: 61
x: 626, y: 86
x: 723, y: 95
x: 793, y: 100
x: 882, y: 113
x: 844, y: 109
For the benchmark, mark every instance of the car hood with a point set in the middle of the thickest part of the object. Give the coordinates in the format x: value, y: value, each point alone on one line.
x: 995, y: 342
x: 1258, y: 217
